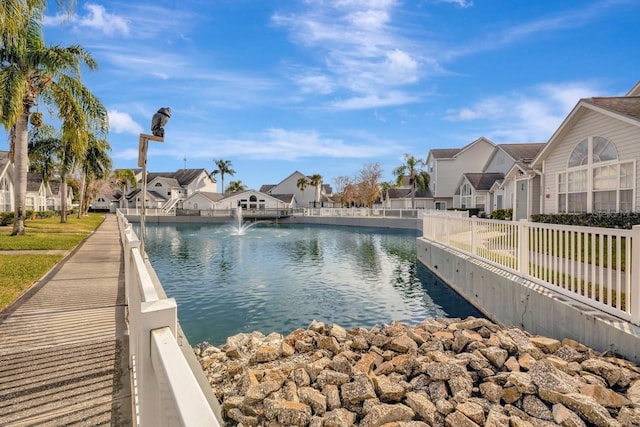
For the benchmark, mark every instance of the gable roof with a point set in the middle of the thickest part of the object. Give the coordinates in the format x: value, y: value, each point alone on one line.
x: 287, y: 198
x: 483, y: 181
x: 34, y: 181
x: 214, y: 197
x: 524, y: 151
x: 265, y: 188
x: 626, y: 109
x: 183, y: 176
x: 635, y: 90
x: 444, y: 153
x: 626, y: 105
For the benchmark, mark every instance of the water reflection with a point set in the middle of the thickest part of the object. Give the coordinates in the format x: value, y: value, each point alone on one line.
x: 278, y: 278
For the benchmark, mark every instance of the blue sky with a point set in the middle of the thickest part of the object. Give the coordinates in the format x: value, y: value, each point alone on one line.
x: 327, y: 86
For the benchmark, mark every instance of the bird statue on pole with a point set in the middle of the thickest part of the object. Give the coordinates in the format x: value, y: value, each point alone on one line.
x: 158, y: 121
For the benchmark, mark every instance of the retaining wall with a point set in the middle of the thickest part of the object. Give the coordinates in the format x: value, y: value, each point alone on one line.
x: 510, y: 300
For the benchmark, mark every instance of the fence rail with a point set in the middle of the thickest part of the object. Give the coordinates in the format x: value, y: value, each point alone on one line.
x: 165, y: 390
x: 379, y: 212
x: 597, y: 266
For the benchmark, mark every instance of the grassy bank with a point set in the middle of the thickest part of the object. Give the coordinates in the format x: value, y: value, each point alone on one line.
x: 18, y: 271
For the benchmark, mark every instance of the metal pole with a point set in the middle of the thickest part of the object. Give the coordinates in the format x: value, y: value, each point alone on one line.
x: 145, y: 143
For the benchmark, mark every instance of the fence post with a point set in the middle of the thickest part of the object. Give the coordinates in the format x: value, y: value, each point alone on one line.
x: 130, y: 242
x: 635, y: 275
x: 474, y: 223
x: 154, y: 315
x: 523, y: 247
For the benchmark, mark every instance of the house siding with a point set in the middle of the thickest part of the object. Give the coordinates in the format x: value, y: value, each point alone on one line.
x: 626, y: 138
x: 501, y: 162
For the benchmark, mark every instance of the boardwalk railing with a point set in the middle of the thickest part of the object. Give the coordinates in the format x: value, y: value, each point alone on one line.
x: 379, y: 212
x: 165, y: 390
x: 597, y: 266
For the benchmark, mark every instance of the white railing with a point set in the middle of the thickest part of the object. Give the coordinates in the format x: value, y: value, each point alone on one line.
x: 164, y: 389
x: 597, y: 266
x: 379, y: 212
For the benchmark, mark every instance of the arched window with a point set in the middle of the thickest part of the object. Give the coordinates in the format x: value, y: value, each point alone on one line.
x: 595, y: 179
x: 253, y: 202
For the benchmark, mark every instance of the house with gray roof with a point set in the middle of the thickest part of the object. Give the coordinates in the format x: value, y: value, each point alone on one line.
x: 7, y: 173
x: 590, y: 163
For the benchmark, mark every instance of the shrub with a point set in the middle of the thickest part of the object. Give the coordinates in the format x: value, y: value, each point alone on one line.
x: 624, y: 220
x: 502, y: 214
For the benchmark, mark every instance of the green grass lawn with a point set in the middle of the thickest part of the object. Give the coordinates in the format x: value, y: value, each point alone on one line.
x: 19, y: 271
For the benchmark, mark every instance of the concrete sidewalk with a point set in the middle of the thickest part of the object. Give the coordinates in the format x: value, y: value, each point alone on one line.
x: 64, y: 345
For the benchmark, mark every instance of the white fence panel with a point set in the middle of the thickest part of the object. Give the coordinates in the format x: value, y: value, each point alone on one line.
x: 165, y: 390
x: 593, y: 265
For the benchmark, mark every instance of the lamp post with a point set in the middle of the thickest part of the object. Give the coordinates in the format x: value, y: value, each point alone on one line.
x: 157, y: 128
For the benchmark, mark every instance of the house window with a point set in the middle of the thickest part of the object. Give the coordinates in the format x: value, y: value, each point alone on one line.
x: 158, y: 184
x: 595, y: 173
x: 466, y: 196
x: 441, y: 206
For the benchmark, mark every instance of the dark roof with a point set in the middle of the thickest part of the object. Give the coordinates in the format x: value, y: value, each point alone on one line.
x: 405, y: 193
x: 626, y: 105
x: 523, y: 151
x: 444, y: 153
x: 34, y: 181
x: 153, y: 195
x: 4, y: 159
x: 183, y: 176
x: 287, y: 198
x: 483, y: 181
x: 266, y: 188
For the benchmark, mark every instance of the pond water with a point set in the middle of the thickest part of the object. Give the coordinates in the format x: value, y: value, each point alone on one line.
x: 276, y: 278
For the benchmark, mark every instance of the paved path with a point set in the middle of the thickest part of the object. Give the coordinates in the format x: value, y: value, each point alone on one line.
x: 64, y: 348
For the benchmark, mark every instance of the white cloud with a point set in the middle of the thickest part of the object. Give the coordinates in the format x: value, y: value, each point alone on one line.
x: 461, y: 3
x: 120, y: 122
x: 374, y: 101
x: 279, y: 144
x: 361, y: 51
x: 96, y: 18
x: 532, y: 114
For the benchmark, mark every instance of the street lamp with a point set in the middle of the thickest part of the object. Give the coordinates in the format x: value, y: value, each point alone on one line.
x: 157, y: 129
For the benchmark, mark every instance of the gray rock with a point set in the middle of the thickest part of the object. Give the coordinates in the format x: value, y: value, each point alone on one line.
x: 385, y: 413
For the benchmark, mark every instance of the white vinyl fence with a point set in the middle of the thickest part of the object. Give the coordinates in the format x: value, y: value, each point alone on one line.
x: 597, y: 266
x: 165, y: 390
x: 379, y: 212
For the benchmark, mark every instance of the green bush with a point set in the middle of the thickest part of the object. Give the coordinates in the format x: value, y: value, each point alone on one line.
x: 6, y: 218
x: 502, y: 214
x: 624, y: 220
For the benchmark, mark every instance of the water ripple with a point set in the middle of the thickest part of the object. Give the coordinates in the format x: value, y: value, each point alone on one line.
x: 279, y: 278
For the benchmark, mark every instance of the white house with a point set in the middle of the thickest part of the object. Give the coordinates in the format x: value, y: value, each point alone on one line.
x: 202, y: 200
x: 7, y: 172
x: 590, y: 163
x: 446, y: 166
x: 289, y: 186
x: 54, y: 200
x: 38, y: 192
x: 252, y: 200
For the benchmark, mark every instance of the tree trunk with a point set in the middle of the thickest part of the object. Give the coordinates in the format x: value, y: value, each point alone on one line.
x: 21, y: 162
x: 63, y: 198
x: 81, y: 197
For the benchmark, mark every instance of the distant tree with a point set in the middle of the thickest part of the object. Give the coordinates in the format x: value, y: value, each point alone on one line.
x: 418, y: 179
x: 94, y: 166
x: 235, y: 186
x: 369, y: 184
x: 316, y: 181
x: 223, y: 168
x: 124, y: 179
x: 302, y: 184
x: 340, y: 183
x: 385, y: 186
x: 32, y: 72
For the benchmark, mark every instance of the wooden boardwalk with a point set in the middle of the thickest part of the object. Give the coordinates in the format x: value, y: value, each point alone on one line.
x: 64, y: 345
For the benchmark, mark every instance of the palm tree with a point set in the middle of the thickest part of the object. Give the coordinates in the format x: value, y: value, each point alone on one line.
x: 94, y: 166
x: 302, y: 183
x: 316, y: 181
x: 235, y: 186
x: 31, y: 72
x: 385, y: 186
x: 224, y: 167
x: 125, y: 179
x: 418, y: 179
